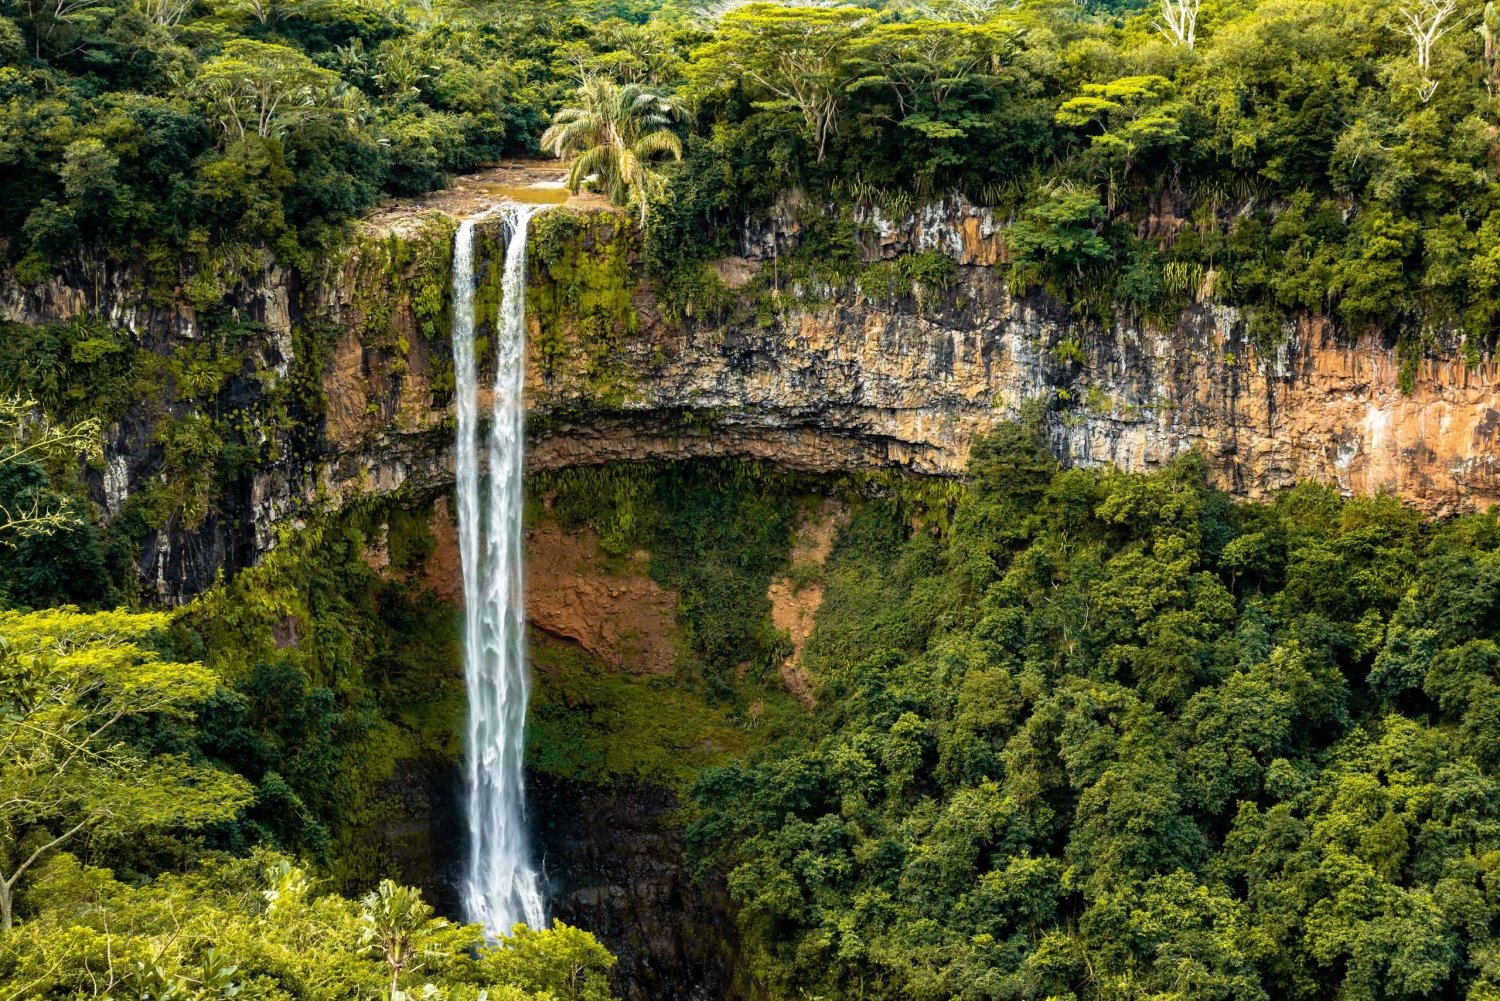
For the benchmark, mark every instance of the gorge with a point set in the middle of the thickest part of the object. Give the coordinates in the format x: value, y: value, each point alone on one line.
x: 733, y: 500
x: 845, y: 387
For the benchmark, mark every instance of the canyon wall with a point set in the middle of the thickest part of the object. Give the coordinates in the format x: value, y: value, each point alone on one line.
x: 841, y: 380
x: 827, y: 382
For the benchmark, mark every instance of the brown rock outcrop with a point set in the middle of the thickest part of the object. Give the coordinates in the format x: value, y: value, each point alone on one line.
x: 619, y: 615
x: 856, y: 383
x: 794, y: 600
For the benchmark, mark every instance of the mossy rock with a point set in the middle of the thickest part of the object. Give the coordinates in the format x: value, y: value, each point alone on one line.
x: 580, y: 298
x: 402, y: 288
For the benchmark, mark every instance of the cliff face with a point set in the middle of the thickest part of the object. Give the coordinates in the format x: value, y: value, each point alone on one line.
x: 615, y: 868
x: 847, y: 381
x: 909, y: 381
x: 859, y: 384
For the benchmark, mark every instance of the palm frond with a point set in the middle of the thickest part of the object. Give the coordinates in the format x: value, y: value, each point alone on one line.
x: 611, y: 134
x: 657, y: 143
x: 589, y: 162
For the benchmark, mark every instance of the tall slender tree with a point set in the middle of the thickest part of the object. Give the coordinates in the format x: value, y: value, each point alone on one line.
x: 1425, y: 22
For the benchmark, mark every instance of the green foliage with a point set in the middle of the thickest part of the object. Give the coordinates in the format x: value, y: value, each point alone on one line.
x: 590, y: 723
x: 1111, y: 735
x: 558, y: 962
x: 910, y: 274
x: 84, y: 368
x: 260, y: 927
x: 693, y: 291
x: 205, y: 436
x: 611, y: 138
x: 1333, y: 181
x: 1340, y: 181
x: 716, y: 533
x: 580, y: 289
x: 794, y: 60
x: 337, y: 680
x: 260, y: 87
x: 405, y: 274
x: 69, y: 682
x: 215, y: 127
x: 50, y: 552
x: 1058, y: 238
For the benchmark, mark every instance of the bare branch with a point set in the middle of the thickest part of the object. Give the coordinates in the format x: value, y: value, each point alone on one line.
x: 1179, y: 21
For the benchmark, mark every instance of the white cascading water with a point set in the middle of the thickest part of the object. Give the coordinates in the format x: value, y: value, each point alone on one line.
x: 501, y: 887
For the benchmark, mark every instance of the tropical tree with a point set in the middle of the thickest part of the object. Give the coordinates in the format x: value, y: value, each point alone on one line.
x: 1137, y: 115
x: 261, y: 88
x: 958, y: 10
x: 922, y: 63
x: 55, y: 24
x: 1425, y: 22
x: 70, y: 683
x: 25, y: 437
x: 612, y: 134
x: 1179, y: 21
x: 561, y: 962
x: 797, y: 57
x: 394, y: 922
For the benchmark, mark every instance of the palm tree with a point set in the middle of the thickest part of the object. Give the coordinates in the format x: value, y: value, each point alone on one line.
x: 612, y: 134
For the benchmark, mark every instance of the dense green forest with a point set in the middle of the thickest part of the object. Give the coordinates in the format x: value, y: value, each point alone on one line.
x: 1076, y: 734
x: 1113, y: 736
x: 1303, y: 158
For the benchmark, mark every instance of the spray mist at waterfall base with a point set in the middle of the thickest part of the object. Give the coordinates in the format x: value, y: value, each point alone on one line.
x: 501, y: 885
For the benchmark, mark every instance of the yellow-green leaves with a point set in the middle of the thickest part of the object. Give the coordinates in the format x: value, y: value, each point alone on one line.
x: 260, y: 88
x: 260, y: 928
x: 70, y: 682
x: 1135, y: 113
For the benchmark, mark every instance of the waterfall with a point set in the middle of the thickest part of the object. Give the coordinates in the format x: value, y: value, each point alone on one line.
x: 501, y: 886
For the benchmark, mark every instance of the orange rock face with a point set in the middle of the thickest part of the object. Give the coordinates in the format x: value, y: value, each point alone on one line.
x: 856, y: 383
x: 795, y: 602
x: 618, y: 614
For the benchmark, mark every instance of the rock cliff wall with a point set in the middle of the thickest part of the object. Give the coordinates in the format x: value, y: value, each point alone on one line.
x: 834, y: 382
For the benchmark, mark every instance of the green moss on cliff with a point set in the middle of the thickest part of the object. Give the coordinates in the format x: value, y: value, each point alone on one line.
x: 395, y: 276
x: 580, y: 295
x: 717, y: 533
x: 590, y: 723
x: 342, y: 680
x: 82, y: 368
x: 205, y: 402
